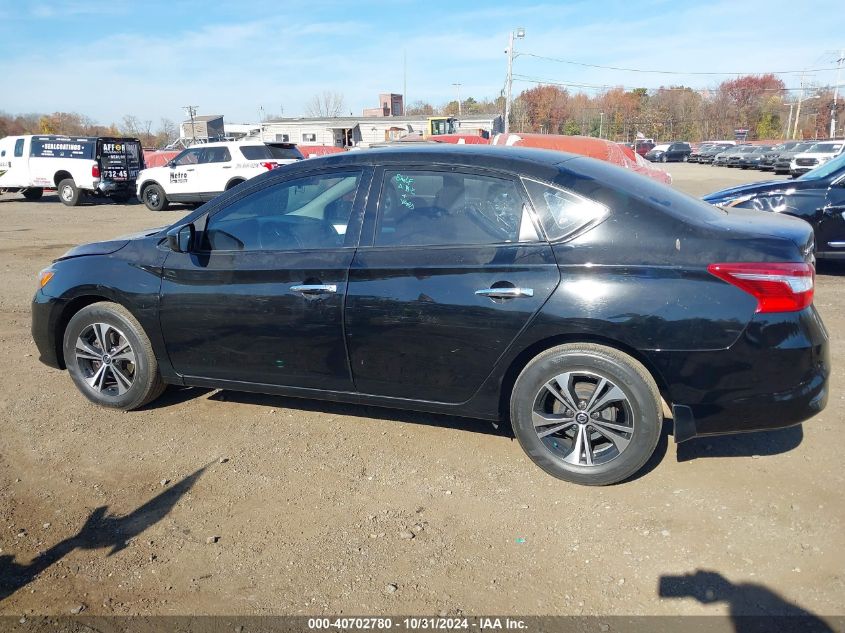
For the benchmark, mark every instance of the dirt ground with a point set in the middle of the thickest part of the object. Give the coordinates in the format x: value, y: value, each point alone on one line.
x: 212, y: 502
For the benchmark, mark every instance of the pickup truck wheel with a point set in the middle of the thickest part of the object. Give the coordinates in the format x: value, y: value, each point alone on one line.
x: 154, y: 198
x: 68, y: 192
x: 33, y: 193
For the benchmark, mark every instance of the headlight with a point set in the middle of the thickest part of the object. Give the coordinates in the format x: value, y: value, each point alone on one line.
x: 45, y: 276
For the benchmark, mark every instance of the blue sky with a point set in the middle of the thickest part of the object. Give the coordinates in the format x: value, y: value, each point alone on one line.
x: 150, y: 58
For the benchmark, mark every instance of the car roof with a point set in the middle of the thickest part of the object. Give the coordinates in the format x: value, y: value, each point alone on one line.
x: 507, y: 158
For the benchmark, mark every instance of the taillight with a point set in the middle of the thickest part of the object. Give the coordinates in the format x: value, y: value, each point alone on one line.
x: 778, y: 287
x: 269, y: 166
x: 95, y: 171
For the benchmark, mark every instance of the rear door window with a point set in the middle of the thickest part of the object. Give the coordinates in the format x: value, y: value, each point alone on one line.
x: 450, y: 208
x: 562, y: 213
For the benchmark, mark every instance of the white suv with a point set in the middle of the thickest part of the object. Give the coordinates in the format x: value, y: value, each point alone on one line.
x: 201, y: 172
x: 817, y: 155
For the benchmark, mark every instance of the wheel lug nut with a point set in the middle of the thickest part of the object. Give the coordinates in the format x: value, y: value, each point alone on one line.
x: 595, y: 416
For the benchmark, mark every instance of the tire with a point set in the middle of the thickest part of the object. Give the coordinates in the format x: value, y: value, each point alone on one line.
x: 33, y: 193
x: 154, y: 197
x: 614, y: 455
x: 127, y: 381
x: 69, y: 194
x: 685, y: 158
x: 663, y: 159
x: 234, y: 183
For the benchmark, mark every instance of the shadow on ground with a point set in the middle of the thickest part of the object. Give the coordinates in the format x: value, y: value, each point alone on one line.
x: 753, y: 608
x: 99, y: 531
x: 742, y: 444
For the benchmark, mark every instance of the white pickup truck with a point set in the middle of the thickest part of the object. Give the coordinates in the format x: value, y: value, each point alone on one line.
x: 74, y: 166
x: 204, y: 171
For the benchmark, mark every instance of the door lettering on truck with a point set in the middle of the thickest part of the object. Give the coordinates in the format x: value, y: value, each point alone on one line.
x: 178, y: 176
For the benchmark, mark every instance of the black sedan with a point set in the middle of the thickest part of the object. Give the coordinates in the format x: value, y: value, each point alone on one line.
x: 708, y: 155
x: 752, y: 159
x: 571, y: 297
x: 817, y: 197
x: 769, y: 158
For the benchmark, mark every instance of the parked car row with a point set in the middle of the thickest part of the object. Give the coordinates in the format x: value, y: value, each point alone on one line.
x: 790, y: 157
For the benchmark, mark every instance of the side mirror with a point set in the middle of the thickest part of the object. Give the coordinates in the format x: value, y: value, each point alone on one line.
x: 172, y: 164
x: 181, y: 239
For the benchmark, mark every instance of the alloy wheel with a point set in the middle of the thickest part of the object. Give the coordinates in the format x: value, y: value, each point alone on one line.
x: 583, y: 418
x: 106, y: 359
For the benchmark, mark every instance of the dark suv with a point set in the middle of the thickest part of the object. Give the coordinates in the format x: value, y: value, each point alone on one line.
x: 569, y: 296
x: 673, y: 153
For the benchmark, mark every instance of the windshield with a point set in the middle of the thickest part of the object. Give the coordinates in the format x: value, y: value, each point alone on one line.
x: 825, y: 147
x: 260, y: 152
x: 830, y: 168
x: 659, y: 148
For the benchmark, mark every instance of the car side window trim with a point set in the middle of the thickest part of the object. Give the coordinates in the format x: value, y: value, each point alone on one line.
x: 372, y: 217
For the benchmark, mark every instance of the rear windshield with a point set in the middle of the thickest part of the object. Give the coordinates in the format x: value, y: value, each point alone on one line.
x: 261, y: 152
x: 630, y: 191
x: 63, y: 148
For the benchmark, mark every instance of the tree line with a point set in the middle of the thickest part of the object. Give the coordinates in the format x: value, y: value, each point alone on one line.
x: 759, y: 103
x: 74, y: 124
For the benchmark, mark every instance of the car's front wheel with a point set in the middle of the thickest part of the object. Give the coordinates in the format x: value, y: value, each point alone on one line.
x: 154, y: 197
x: 586, y: 413
x: 110, y: 358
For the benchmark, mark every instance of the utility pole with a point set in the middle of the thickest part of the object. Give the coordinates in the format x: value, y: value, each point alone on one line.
x: 601, y: 124
x: 191, y: 112
x: 798, y: 109
x: 519, y: 34
x: 789, y: 121
x: 404, y: 81
x: 458, y: 88
x: 836, y: 93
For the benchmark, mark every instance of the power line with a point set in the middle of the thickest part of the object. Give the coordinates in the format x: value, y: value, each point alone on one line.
x: 572, y: 84
x: 671, y: 72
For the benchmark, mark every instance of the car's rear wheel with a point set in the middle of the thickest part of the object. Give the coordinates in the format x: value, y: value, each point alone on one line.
x: 234, y: 183
x: 587, y: 413
x: 110, y: 358
x: 154, y: 197
x: 663, y: 158
x: 33, y: 193
x: 69, y: 194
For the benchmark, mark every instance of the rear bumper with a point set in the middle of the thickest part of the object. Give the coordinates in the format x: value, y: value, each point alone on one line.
x: 774, y: 376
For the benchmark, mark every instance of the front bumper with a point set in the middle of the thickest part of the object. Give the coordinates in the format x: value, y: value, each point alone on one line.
x: 46, y: 312
x: 774, y: 376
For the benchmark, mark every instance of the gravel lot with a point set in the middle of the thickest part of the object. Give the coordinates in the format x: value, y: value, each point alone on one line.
x: 212, y: 502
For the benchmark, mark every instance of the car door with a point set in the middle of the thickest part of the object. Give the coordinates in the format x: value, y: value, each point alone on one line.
x: 14, y: 162
x: 452, y: 268
x: 213, y: 172
x: 260, y: 300
x: 830, y: 230
x: 183, y: 179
